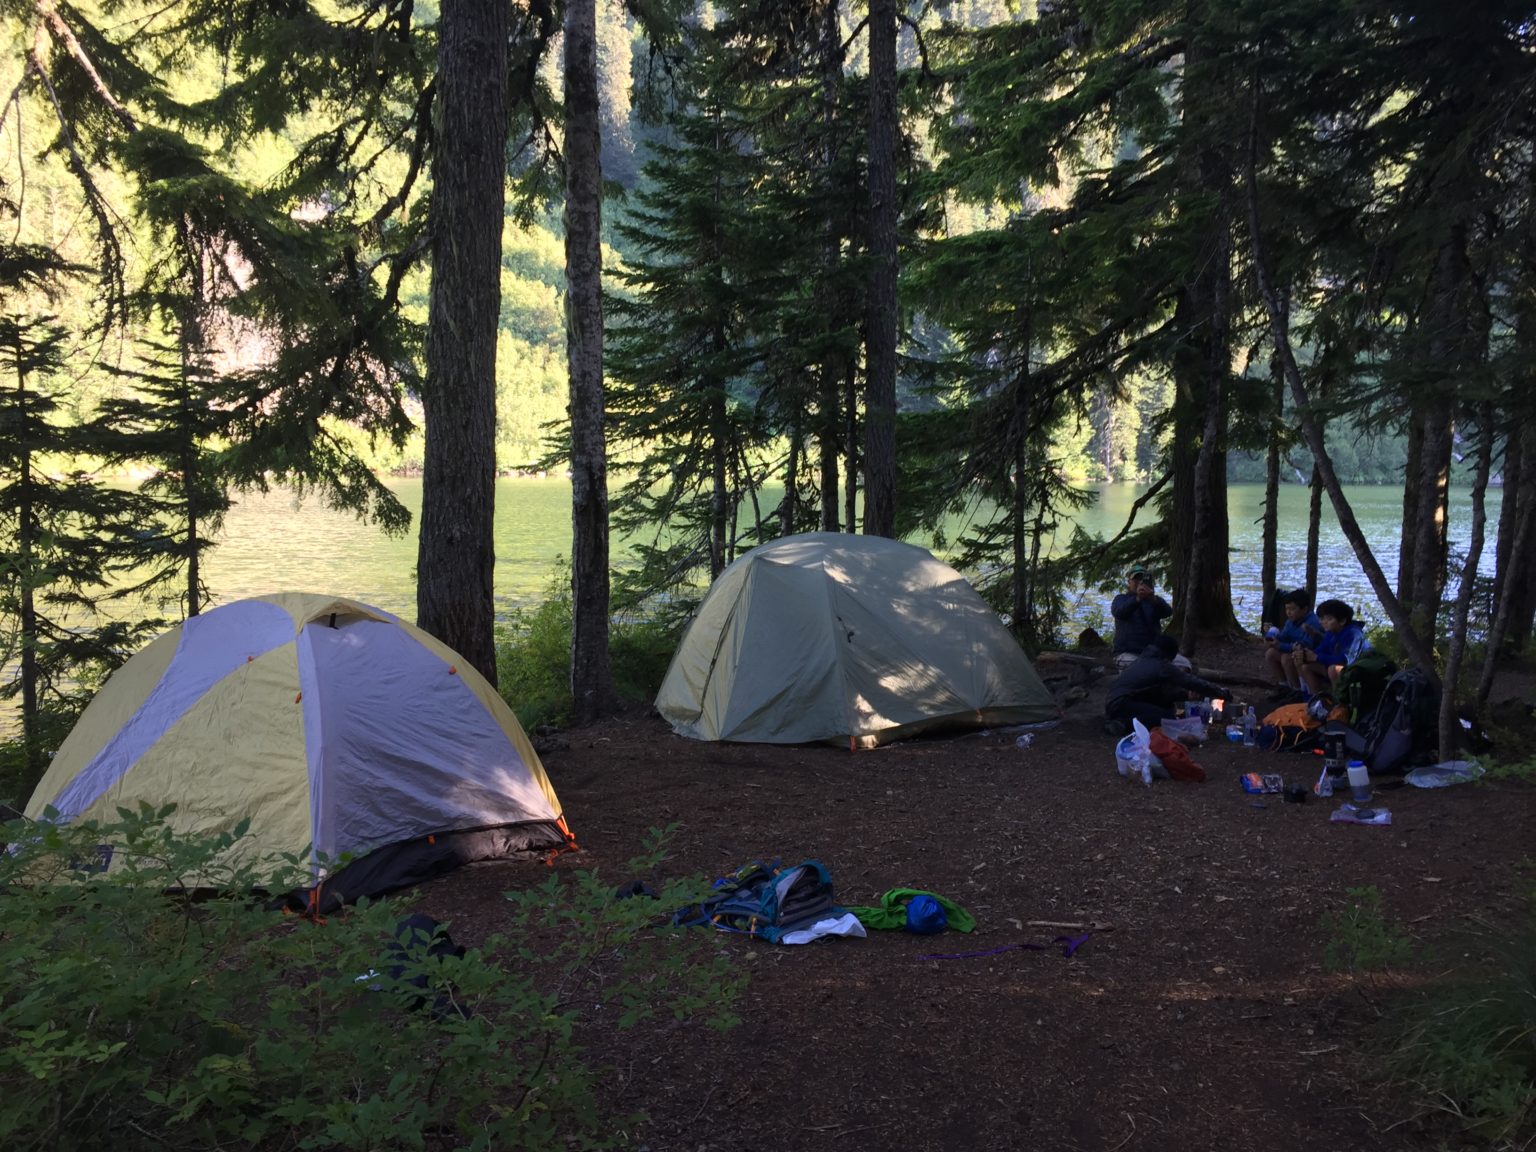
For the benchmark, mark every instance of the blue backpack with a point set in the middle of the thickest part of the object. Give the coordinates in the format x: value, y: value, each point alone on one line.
x: 766, y: 900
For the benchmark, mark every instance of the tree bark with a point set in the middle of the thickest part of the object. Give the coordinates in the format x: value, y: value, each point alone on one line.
x: 1269, y: 563
x: 1504, y: 612
x: 1022, y: 567
x: 26, y: 543
x: 880, y: 384
x: 1456, y: 646
x: 456, y: 559
x: 1522, y: 604
x: 787, y: 506
x: 1199, y: 536
x: 1314, y: 529
x: 1504, y: 545
x: 591, y: 677
x: 831, y: 368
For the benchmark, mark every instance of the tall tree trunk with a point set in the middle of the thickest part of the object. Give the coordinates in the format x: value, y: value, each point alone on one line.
x: 1446, y: 346
x: 1406, y: 553
x: 1200, y: 564
x: 591, y: 676
x: 1504, y: 545
x: 191, y: 380
x: 1418, y: 651
x: 1022, y: 402
x: 1314, y: 529
x: 719, y: 447
x: 880, y: 385
x: 829, y: 438
x: 1504, y: 610
x: 26, y: 545
x: 831, y: 368
x: 791, y: 482
x: 1269, y: 563
x: 456, y: 558
x: 850, y: 448
x: 1522, y: 604
x: 1208, y: 511
x: 1450, y: 728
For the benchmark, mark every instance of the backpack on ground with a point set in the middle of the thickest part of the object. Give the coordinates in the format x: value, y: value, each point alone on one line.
x: 1404, y: 728
x: 1361, y: 684
x: 1290, y: 727
x: 766, y: 900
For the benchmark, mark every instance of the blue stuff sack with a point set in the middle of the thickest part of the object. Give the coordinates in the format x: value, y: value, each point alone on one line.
x: 925, y: 916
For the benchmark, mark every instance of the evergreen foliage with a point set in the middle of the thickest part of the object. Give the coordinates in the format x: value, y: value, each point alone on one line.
x: 218, y: 1022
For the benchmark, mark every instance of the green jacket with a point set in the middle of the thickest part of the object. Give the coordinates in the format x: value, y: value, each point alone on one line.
x: 892, y: 912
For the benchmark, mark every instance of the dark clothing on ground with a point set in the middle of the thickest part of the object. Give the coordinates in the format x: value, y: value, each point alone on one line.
x: 1137, y: 622
x: 1150, y: 687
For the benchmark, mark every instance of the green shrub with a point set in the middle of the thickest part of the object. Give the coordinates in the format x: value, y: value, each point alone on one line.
x: 142, y: 1020
x: 533, y: 656
x: 1359, y: 938
x: 533, y: 662
x: 1470, y: 1045
x: 17, y: 777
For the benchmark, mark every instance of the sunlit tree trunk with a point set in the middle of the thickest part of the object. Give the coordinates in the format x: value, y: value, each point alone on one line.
x: 456, y: 559
x: 1269, y: 563
x: 591, y: 677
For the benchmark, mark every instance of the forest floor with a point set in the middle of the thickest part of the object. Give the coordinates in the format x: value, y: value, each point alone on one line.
x: 1204, y: 1017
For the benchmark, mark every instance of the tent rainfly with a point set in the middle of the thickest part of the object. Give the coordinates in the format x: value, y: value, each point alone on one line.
x: 334, y: 727
x: 827, y: 636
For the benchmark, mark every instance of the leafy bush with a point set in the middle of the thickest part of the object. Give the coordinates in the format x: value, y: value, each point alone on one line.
x: 17, y: 776
x: 1359, y: 938
x: 533, y: 656
x: 169, y: 1022
x: 1470, y: 1047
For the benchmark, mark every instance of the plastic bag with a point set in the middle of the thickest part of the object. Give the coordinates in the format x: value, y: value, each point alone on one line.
x: 1444, y: 774
x: 1189, y: 726
x: 1134, y: 759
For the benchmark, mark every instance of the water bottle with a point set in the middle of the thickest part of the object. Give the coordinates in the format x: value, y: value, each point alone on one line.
x: 1359, y: 782
x: 1250, y: 728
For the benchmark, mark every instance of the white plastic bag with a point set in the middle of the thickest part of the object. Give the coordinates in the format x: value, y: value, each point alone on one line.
x: 1444, y: 774
x: 1134, y: 759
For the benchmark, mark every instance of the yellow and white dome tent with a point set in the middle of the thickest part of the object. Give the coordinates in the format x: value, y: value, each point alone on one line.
x: 334, y: 727
x: 831, y: 636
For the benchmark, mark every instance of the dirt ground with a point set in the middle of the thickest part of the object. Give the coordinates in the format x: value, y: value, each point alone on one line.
x: 1202, y: 1019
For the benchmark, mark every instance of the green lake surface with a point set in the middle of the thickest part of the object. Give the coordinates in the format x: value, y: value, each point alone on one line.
x: 271, y: 544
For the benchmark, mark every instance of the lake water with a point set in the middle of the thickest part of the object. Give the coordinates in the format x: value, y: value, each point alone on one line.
x: 271, y: 544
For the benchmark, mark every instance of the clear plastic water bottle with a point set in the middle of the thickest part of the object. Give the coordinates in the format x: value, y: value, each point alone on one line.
x: 1250, y: 728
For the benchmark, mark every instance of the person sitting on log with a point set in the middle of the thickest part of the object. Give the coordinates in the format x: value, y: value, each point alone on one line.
x: 1343, y: 640
x: 1149, y: 688
x: 1301, y: 629
x: 1139, y: 613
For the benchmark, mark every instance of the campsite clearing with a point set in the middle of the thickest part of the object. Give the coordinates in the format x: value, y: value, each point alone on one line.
x: 1205, y: 1020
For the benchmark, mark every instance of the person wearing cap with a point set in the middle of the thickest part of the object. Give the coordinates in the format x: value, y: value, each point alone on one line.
x: 1139, y: 613
x: 1152, y: 686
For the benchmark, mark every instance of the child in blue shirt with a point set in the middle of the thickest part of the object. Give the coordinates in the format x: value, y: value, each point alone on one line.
x: 1301, y: 629
x: 1343, y: 640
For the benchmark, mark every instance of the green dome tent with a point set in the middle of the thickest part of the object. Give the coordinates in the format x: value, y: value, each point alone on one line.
x: 837, y: 637
x: 333, y: 727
